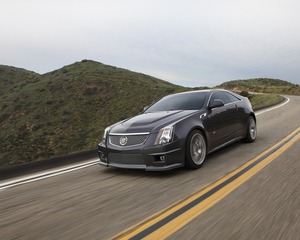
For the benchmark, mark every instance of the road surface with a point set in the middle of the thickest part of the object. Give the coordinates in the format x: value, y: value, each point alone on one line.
x: 99, y: 203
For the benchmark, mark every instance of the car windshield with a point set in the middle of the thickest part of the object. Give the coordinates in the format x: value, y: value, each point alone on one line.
x: 183, y: 101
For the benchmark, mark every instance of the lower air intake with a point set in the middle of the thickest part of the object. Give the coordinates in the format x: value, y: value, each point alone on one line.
x: 130, y: 159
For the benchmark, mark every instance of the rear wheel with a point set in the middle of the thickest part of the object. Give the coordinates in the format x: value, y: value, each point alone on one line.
x: 195, y: 150
x: 251, y: 131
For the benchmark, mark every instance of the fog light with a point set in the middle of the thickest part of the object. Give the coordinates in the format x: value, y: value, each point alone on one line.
x: 102, y: 157
x: 162, y: 158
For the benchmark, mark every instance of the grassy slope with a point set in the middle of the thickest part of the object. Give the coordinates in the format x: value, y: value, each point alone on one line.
x: 258, y: 100
x: 263, y: 85
x: 66, y: 110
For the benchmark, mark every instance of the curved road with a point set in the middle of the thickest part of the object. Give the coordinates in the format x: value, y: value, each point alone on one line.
x: 99, y: 203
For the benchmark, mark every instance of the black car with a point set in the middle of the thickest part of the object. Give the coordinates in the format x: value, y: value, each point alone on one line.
x: 178, y: 130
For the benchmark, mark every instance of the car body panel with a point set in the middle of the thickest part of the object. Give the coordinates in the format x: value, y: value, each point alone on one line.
x: 150, y: 122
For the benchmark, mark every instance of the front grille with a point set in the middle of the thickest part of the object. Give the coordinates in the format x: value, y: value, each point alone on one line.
x: 132, y: 159
x: 131, y: 140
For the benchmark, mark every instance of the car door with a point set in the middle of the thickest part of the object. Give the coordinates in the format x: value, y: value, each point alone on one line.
x: 240, y: 116
x: 221, y: 122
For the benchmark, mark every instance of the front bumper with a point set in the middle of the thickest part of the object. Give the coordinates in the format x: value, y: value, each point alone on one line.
x: 154, y: 158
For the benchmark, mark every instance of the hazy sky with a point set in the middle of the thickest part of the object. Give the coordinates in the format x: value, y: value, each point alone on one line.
x: 189, y: 43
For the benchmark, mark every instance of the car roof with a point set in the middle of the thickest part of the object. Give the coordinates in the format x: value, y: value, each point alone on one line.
x: 200, y: 91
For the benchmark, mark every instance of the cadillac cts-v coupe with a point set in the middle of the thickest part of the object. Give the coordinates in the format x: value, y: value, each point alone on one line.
x: 178, y: 130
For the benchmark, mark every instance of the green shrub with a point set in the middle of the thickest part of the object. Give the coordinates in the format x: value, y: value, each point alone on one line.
x: 244, y: 93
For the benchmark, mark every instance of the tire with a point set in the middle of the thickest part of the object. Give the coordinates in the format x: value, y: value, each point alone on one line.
x: 195, y: 150
x: 251, y: 131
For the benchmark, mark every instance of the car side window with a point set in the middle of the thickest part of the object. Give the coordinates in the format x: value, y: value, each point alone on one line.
x: 218, y: 95
x: 231, y: 97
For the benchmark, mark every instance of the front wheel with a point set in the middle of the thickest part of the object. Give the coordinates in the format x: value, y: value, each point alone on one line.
x: 251, y: 131
x: 195, y: 150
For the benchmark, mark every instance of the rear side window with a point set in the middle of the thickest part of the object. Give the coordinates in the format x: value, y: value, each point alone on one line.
x: 231, y: 97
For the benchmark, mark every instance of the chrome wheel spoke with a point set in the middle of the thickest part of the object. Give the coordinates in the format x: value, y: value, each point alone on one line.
x: 197, y: 149
x: 252, y: 129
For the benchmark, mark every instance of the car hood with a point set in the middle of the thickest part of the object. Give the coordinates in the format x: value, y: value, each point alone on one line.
x: 150, y: 122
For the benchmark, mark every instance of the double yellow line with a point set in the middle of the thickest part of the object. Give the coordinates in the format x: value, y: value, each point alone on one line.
x: 168, y: 221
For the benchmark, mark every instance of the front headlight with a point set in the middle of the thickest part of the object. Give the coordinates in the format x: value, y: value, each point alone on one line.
x: 104, y: 135
x: 165, y: 135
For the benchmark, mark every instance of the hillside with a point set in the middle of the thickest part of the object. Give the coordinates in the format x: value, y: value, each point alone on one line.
x: 66, y: 110
x: 263, y: 85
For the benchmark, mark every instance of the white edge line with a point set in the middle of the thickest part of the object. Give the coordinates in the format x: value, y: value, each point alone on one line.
x: 273, y: 107
x: 46, y: 175
x: 76, y: 167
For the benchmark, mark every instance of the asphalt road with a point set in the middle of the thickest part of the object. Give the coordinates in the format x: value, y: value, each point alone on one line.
x: 98, y: 202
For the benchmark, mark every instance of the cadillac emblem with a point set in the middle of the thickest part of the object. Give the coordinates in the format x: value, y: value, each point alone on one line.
x: 123, y: 140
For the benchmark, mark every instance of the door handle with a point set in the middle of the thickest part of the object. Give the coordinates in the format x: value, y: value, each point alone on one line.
x: 203, y: 115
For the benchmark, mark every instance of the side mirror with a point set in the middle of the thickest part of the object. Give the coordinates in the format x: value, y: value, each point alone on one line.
x: 217, y: 103
x: 145, y: 108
